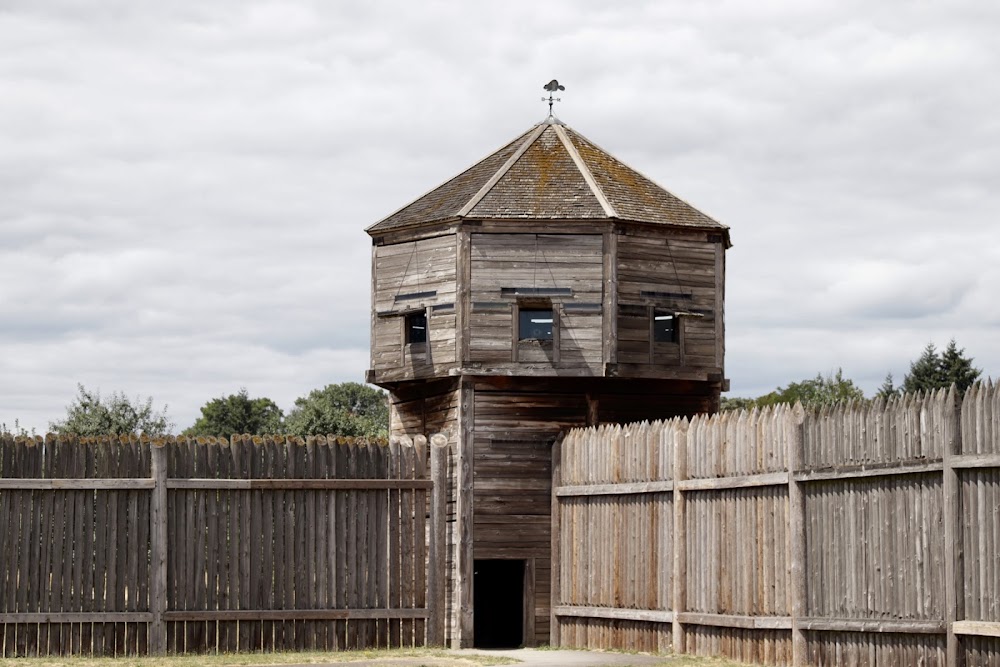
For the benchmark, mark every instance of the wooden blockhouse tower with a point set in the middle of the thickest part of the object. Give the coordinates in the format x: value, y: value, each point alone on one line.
x: 546, y: 287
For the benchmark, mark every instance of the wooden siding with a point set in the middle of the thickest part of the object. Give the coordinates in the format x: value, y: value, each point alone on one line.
x: 658, y: 261
x: 433, y: 408
x: 513, y: 434
x: 535, y: 261
x: 127, y: 546
x: 864, y: 534
x: 402, y: 270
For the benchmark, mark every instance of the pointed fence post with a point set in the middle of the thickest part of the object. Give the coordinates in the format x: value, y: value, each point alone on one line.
x: 796, y: 533
x: 437, y: 553
x: 951, y: 425
x: 681, y: 430
x: 555, y: 634
x: 157, y: 641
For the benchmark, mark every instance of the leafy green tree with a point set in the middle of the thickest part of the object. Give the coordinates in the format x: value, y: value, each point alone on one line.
x: 736, y: 403
x: 238, y: 413
x: 819, y: 391
x: 816, y: 392
x: 348, y: 408
x: 935, y: 370
x: 89, y: 415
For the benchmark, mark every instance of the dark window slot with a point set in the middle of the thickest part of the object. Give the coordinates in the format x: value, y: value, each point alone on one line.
x: 535, y: 324
x: 415, y: 295
x: 536, y: 291
x: 664, y: 295
x: 416, y: 328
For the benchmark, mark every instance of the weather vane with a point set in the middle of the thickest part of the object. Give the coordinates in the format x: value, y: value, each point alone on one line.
x: 552, y: 86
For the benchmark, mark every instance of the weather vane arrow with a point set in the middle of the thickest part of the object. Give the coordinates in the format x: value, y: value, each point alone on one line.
x: 552, y: 86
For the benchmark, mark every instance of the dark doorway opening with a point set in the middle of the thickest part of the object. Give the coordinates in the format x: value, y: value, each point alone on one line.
x: 499, y: 603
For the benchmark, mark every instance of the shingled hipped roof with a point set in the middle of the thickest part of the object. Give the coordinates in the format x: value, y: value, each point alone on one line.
x: 550, y: 172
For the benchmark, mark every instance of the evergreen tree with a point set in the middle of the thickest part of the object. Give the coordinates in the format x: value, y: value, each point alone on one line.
x: 957, y: 368
x: 926, y: 373
x: 238, y: 414
x: 888, y: 389
x: 939, y: 371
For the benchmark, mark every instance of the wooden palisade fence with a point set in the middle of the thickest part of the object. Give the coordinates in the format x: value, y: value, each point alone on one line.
x: 866, y: 534
x: 128, y: 546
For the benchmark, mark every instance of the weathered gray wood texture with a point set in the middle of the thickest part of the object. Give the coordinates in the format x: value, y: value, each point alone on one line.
x: 602, y: 280
x: 262, y: 544
x: 410, y: 277
x: 870, y: 529
x: 677, y: 273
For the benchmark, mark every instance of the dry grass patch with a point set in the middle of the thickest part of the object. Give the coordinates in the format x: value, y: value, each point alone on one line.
x: 387, y: 657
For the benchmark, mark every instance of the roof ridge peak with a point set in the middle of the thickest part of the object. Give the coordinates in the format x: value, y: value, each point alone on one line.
x: 588, y: 177
x: 504, y: 168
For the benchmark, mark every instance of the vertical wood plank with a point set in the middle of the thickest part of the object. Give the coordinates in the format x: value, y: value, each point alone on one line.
x: 950, y: 427
x: 437, y: 556
x: 796, y: 535
x: 462, y: 628
x: 420, y: 539
x: 679, y: 556
x: 158, y: 549
x: 556, y: 550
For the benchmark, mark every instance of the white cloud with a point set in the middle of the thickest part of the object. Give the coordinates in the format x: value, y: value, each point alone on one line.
x: 185, y: 185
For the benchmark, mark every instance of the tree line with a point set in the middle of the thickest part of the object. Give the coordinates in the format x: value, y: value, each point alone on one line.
x: 348, y: 408
x: 355, y: 409
x: 932, y: 370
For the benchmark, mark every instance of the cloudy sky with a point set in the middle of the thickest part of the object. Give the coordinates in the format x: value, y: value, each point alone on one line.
x: 184, y: 185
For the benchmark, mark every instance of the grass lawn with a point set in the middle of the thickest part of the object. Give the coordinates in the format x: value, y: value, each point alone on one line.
x: 415, y: 657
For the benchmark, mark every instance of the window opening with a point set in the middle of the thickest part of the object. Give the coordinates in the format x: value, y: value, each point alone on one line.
x: 664, y: 327
x: 535, y: 324
x: 416, y: 328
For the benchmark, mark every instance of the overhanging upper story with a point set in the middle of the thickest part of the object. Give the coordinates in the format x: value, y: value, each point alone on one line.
x: 548, y: 258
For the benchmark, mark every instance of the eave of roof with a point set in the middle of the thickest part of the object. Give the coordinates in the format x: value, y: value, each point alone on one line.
x: 550, y: 172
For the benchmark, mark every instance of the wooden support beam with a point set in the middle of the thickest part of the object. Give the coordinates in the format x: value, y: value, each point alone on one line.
x: 555, y: 636
x: 294, y: 614
x: 528, y: 600
x: 866, y: 625
x: 734, y: 621
x: 622, y: 489
x: 609, y: 302
x: 108, y: 484
x: 157, y: 640
x: 437, y: 553
x: 743, y: 482
x: 954, y: 570
x: 301, y: 484
x: 679, y: 574
x: 614, y: 613
x: 796, y: 544
x: 42, y: 617
x: 462, y: 627
x: 975, y: 628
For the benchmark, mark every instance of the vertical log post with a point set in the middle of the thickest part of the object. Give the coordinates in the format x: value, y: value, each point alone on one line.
x: 437, y: 552
x: 157, y: 641
x: 796, y: 534
x: 462, y: 629
x: 555, y: 636
x: 953, y: 556
x: 679, y: 574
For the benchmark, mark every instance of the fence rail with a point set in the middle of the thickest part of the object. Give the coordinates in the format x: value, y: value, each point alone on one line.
x: 129, y: 546
x: 863, y: 534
